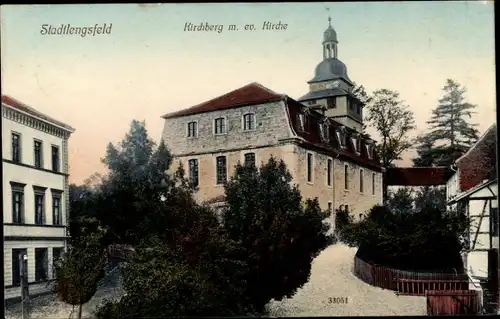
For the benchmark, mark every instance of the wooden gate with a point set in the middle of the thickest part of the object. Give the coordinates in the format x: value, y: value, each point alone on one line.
x: 457, y: 302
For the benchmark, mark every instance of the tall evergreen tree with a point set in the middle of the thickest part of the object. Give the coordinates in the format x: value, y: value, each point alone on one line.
x: 137, y: 179
x: 450, y: 131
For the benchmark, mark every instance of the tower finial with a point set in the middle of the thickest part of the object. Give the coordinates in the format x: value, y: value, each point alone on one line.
x: 329, y: 21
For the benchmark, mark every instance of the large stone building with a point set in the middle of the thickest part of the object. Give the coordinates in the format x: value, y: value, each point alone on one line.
x: 319, y: 137
x: 35, y: 194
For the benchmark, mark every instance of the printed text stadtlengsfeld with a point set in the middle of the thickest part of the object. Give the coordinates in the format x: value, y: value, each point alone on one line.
x: 65, y: 29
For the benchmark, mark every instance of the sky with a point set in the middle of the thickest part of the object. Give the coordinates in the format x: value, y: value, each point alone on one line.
x: 148, y: 65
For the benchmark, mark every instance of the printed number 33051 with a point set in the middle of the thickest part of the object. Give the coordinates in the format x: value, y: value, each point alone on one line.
x: 337, y: 300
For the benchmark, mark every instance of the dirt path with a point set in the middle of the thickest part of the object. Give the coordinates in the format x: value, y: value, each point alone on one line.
x: 332, y: 277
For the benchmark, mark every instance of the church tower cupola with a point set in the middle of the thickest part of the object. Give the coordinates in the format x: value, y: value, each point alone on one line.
x: 330, y: 42
x: 330, y: 90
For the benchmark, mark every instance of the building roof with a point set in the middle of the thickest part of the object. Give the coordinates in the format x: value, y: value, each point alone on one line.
x: 255, y: 93
x: 312, y: 136
x: 491, y: 130
x: 479, y: 163
x: 322, y: 94
x: 473, y: 190
x: 416, y: 176
x: 250, y: 94
x: 16, y: 104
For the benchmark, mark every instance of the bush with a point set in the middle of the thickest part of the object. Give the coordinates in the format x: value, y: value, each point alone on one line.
x: 280, y: 237
x: 79, y: 271
x: 425, y: 241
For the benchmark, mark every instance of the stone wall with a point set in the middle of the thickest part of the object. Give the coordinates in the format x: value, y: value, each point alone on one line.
x: 271, y: 125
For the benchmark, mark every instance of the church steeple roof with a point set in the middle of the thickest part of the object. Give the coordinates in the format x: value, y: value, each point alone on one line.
x: 330, y: 35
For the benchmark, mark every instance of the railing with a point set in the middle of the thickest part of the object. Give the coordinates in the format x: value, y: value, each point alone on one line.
x: 407, y: 282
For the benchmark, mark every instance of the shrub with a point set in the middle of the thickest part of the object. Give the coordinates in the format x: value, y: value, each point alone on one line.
x: 280, y: 237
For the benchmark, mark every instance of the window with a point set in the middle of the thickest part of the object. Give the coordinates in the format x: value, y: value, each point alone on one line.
x: 249, y: 122
x: 41, y: 264
x: 56, y: 209
x: 324, y: 130
x: 373, y: 183
x: 329, y: 172
x: 361, y: 181
x: 221, y: 170
x: 356, y: 142
x: 346, y: 176
x: 494, y: 222
x: 38, y: 154
x: 349, y: 102
x: 193, y: 172
x: 330, y: 206
x: 192, y: 129
x: 301, y: 121
x: 17, y: 203
x: 341, y: 138
x: 358, y: 109
x: 16, y: 269
x: 39, y: 205
x: 16, y: 147
x: 250, y: 159
x: 331, y: 103
x: 369, y: 149
x: 220, y: 125
x: 55, y: 158
x: 309, y: 167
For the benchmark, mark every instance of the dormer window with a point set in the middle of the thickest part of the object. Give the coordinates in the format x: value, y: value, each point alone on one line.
x: 341, y: 138
x: 303, y: 121
x: 369, y: 151
x: 324, y: 129
x: 356, y: 143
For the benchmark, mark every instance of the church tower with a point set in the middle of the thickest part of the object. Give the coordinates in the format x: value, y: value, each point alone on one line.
x: 330, y: 91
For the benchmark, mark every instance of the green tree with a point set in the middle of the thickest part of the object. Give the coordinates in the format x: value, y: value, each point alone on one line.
x: 429, y: 240
x: 393, y: 121
x: 401, y: 201
x: 79, y: 271
x: 191, y: 269
x: 136, y: 181
x: 450, y: 131
x: 431, y: 197
x: 280, y: 236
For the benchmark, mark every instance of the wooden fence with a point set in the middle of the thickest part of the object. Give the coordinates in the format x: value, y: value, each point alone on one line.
x: 453, y: 302
x: 407, y: 282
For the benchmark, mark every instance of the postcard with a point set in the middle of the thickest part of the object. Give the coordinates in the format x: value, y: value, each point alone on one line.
x: 249, y: 159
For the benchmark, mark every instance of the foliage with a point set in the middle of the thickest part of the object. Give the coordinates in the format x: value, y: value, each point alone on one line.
x: 342, y: 220
x: 127, y: 202
x: 429, y: 240
x: 431, y: 197
x: 402, y: 200
x: 451, y: 133
x: 279, y: 236
x: 191, y: 269
x: 79, y: 270
x: 392, y: 120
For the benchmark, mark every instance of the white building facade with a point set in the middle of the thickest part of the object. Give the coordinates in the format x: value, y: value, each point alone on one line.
x: 35, y: 194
